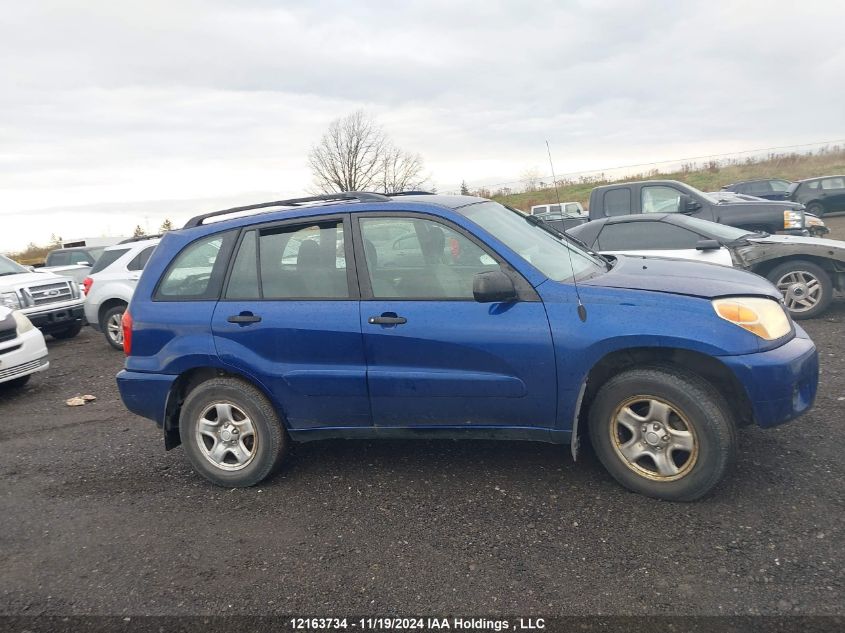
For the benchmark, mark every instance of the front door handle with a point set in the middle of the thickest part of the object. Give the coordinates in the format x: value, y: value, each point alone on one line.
x: 386, y: 319
x: 244, y: 318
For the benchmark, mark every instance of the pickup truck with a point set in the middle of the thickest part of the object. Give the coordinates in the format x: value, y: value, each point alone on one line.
x: 53, y: 303
x: 671, y: 196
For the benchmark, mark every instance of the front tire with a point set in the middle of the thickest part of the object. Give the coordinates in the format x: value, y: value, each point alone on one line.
x: 806, y: 288
x: 663, y: 432
x: 231, y: 433
x: 816, y: 209
x: 112, y: 326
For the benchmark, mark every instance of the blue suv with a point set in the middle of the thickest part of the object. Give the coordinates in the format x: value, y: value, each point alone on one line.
x: 358, y: 315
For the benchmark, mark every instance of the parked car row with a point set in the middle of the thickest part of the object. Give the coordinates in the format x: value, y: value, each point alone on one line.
x: 820, y: 195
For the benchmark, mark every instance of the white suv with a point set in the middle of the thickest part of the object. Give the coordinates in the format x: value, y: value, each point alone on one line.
x: 53, y: 303
x: 22, y: 349
x: 110, y: 286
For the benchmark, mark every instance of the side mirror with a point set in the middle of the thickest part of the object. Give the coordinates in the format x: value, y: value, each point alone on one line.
x: 687, y: 205
x: 707, y: 245
x: 493, y: 287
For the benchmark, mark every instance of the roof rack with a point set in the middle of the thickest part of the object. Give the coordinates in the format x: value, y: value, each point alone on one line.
x: 410, y: 193
x: 140, y: 238
x: 360, y: 196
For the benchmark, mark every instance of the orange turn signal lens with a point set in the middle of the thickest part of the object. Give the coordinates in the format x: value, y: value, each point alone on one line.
x: 764, y: 317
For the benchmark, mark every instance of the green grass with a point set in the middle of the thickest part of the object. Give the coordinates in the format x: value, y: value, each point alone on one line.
x: 708, y: 177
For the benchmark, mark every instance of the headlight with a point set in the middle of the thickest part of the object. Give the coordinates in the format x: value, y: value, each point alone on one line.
x: 814, y: 221
x: 764, y: 317
x: 10, y: 300
x: 24, y: 324
x: 793, y: 219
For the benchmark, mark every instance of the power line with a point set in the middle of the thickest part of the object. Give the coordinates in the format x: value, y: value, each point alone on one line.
x: 674, y: 160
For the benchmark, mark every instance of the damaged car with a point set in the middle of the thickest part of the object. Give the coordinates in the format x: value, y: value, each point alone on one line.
x: 806, y: 270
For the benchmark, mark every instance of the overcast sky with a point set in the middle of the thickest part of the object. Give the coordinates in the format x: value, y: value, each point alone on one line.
x: 119, y: 113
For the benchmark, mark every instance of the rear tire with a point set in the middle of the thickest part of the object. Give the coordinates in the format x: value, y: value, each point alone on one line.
x: 806, y: 287
x: 663, y: 432
x: 68, y: 332
x: 112, y: 326
x: 231, y: 433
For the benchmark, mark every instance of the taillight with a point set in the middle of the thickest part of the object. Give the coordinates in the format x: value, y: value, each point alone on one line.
x: 126, y: 324
x: 86, y: 285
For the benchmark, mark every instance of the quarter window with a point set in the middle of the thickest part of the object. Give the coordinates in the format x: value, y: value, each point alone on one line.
x: 140, y: 260
x: 197, y: 272
x: 659, y: 199
x: 428, y: 261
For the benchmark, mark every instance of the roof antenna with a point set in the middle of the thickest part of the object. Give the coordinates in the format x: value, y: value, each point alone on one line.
x: 582, y: 311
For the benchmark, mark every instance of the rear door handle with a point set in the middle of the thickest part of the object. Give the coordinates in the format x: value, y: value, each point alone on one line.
x: 244, y: 318
x: 387, y: 320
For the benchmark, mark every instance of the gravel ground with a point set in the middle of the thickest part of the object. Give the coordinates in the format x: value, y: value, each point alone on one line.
x: 96, y: 518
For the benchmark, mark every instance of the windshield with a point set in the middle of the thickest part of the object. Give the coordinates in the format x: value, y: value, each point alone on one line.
x: 546, y: 252
x: 721, y: 232
x: 8, y: 267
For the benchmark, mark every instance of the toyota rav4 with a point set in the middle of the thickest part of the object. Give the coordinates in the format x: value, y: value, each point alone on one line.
x: 366, y: 316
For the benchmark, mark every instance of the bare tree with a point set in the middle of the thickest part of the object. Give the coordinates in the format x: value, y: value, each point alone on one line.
x: 400, y: 171
x: 530, y: 178
x: 355, y: 155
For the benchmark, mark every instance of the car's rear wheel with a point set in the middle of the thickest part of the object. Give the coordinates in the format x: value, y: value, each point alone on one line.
x: 231, y: 433
x: 68, y: 332
x: 112, y: 326
x: 816, y: 209
x: 662, y: 432
x: 806, y: 287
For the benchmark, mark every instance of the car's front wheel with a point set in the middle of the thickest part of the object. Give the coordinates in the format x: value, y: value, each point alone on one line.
x: 662, y: 432
x: 816, y: 209
x: 231, y: 433
x: 806, y: 288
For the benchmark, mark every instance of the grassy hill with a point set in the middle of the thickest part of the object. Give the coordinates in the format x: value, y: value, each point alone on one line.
x: 708, y: 177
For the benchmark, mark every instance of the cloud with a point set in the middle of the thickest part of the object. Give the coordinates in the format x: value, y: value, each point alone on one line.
x: 116, y: 103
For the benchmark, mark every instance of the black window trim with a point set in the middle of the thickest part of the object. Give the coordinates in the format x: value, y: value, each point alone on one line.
x: 304, y: 221
x: 525, y: 291
x: 665, y: 220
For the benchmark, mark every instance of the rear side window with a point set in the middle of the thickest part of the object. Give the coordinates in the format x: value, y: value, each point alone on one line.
x: 108, y: 258
x: 833, y: 183
x: 617, y: 202
x: 197, y: 272
x: 140, y: 260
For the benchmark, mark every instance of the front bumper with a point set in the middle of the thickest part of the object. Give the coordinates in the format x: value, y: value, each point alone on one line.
x: 145, y: 394
x: 781, y: 383
x: 24, y: 355
x: 55, y: 318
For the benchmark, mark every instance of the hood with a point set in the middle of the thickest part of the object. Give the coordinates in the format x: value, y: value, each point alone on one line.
x: 683, y: 277
x: 26, y: 279
x: 778, y: 205
x: 760, y: 249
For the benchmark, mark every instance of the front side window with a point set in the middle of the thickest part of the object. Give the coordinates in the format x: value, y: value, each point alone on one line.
x: 617, y: 202
x: 659, y: 199
x: 429, y: 260
x: 198, y: 271
x: 60, y: 259
x: 645, y: 236
x: 780, y: 186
